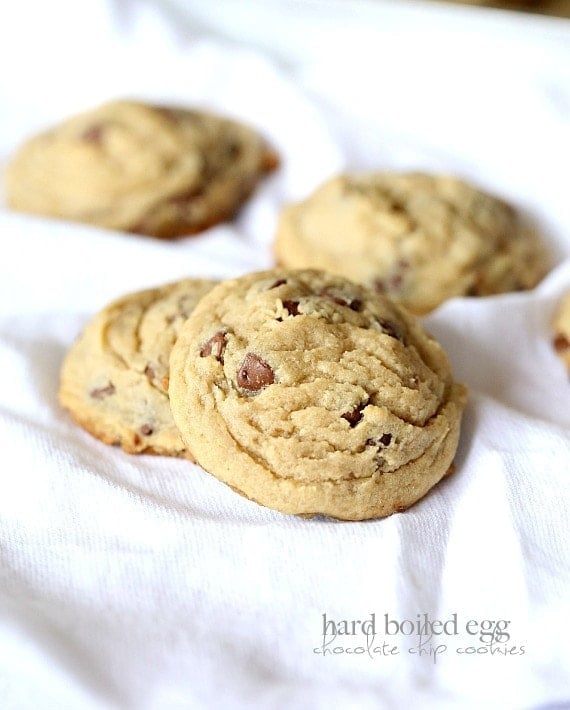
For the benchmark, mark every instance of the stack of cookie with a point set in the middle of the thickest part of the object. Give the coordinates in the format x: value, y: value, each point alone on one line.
x: 311, y: 388
x: 302, y: 390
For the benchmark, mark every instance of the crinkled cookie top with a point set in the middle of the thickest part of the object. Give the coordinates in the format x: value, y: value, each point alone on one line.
x: 419, y: 238
x: 137, y: 167
x: 306, y: 382
x: 114, y: 380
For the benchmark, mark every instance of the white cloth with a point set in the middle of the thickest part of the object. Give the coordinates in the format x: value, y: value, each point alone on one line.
x: 142, y: 582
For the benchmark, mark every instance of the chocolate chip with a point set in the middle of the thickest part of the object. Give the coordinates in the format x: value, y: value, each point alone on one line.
x: 292, y: 307
x: 102, y: 392
x: 254, y: 373
x: 561, y: 343
x: 146, y: 430
x: 185, y: 306
x: 170, y: 114
x: 279, y: 282
x: 389, y: 328
x: 233, y: 150
x: 93, y: 134
x: 380, y: 442
x: 355, y: 304
x: 215, y: 346
x: 355, y: 416
x: 392, y: 283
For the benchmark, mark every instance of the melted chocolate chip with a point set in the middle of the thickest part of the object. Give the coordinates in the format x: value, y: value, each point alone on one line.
x: 146, y: 430
x: 233, y: 150
x: 254, y: 373
x: 93, y: 134
x: 355, y: 304
x: 279, y: 282
x: 215, y: 346
x: 292, y: 307
x: 392, y: 283
x: 385, y: 439
x: 102, y: 392
x: 389, y: 328
x: 355, y: 416
x: 561, y: 343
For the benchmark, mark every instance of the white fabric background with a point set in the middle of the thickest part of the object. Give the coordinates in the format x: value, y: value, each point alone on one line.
x: 143, y: 583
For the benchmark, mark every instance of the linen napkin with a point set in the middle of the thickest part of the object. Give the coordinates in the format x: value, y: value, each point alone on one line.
x: 144, y: 583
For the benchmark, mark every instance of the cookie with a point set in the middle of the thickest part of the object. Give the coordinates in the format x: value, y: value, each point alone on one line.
x: 420, y: 238
x: 114, y: 380
x: 310, y: 394
x: 561, y: 328
x: 153, y: 170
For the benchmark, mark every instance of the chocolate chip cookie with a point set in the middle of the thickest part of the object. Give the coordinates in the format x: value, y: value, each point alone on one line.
x: 114, y: 380
x: 130, y: 166
x: 561, y: 328
x: 310, y: 394
x: 419, y: 238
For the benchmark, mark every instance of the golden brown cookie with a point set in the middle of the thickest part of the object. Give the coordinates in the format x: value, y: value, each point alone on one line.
x: 561, y: 328
x: 420, y: 238
x: 114, y: 380
x: 311, y: 394
x: 134, y: 167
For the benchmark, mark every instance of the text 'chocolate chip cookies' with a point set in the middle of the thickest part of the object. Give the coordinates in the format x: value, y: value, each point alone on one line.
x: 114, y: 380
x: 311, y: 394
x: 419, y: 238
x: 130, y: 166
